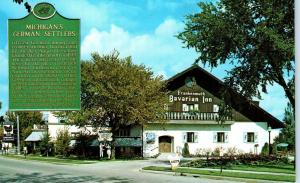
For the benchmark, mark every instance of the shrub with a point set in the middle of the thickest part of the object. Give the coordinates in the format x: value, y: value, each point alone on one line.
x: 232, y: 151
x: 62, y: 143
x: 243, y: 159
x: 216, y: 151
x: 81, y: 147
x: 274, y: 149
x: 185, y: 150
x: 265, y: 149
x: 205, y: 152
x: 45, y: 146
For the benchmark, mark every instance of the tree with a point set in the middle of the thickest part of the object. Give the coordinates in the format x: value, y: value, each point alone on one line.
x: 256, y: 37
x: 26, y: 4
x: 1, y: 133
x: 265, y: 150
x: 82, y: 144
x: 287, y: 134
x: 185, y: 150
x: 117, y: 93
x: 26, y: 122
x: 62, y: 143
x: 45, y: 144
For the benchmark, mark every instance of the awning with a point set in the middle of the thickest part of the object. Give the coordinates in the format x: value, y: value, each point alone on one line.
x: 129, y: 142
x: 282, y: 145
x: 94, y: 143
x: 35, y: 136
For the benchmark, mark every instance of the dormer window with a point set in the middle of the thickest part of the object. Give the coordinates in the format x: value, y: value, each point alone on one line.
x: 215, y: 108
x: 190, y: 107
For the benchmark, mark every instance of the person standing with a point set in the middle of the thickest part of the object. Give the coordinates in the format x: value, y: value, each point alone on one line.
x: 108, y: 151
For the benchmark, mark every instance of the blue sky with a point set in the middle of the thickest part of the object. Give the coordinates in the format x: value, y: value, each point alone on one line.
x: 142, y: 29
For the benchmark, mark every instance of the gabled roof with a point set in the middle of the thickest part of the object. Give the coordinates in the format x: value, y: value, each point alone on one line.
x: 216, y: 87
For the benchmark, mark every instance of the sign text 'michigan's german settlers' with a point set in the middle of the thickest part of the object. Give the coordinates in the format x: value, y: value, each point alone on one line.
x: 44, y: 61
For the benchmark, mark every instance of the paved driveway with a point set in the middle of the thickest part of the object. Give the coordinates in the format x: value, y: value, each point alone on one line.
x: 116, y: 171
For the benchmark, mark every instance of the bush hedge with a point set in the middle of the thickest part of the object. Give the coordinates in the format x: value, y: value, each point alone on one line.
x: 244, y: 159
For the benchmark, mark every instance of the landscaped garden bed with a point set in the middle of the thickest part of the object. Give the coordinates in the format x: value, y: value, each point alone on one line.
x: 245, y: 175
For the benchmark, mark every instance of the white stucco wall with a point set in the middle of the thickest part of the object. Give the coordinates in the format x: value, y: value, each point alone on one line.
x: 53, y: 128
x: 205, y: 134
x: 49, y: 116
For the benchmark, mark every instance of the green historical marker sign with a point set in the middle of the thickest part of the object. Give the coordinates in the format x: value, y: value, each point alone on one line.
x: 44, y: 61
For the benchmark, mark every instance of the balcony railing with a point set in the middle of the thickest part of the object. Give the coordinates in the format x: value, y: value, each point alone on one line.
x: 205, y: 116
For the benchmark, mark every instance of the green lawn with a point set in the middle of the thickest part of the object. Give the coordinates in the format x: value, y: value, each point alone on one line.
x: 261, y: 176
x: 288, y: 169
x: 52, y: 159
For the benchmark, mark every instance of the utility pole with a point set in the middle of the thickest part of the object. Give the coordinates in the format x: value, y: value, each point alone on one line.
x: 18, y: 129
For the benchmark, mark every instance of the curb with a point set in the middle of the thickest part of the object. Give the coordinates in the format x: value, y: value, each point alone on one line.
x: 210, y: 177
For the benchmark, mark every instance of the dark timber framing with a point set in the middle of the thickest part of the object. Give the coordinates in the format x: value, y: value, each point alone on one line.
x: 216, y: 87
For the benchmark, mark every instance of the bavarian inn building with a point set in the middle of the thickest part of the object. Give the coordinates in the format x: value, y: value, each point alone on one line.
x: 194, y: 100
x: 192, y: 112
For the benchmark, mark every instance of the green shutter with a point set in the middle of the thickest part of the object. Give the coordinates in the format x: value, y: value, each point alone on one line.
x: 215, y: 137
x: 196, y: 137
x: 245, y: 137
x: 184, y: 137
x: 255, y: 137
x: 226, y: 137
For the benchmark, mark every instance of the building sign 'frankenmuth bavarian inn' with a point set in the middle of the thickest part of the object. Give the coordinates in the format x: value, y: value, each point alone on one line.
x: 44, y: 61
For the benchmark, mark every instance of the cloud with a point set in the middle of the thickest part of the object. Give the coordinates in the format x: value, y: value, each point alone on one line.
x: 169, y: 27
x: 159, y: 50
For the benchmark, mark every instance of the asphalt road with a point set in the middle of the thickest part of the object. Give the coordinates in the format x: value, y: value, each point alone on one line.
x: 117, y: 172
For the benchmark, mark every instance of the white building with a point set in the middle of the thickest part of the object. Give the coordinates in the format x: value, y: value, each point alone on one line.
x: 194, y: 100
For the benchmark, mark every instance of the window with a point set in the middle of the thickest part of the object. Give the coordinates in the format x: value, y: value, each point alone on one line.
x: 124, y: 132
x: 190, y: 137
x: 220, y: 137
x: 215, y: 108
x: 190, y: 107
x: 185, y: 108
x: 250, y: 137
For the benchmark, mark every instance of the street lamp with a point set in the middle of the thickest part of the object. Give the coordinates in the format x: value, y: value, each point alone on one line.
x: 269, y: 130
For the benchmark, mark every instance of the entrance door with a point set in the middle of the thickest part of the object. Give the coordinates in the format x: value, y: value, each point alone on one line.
x: 165, y: 143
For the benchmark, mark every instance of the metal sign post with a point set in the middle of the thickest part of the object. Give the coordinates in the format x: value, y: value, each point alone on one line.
x: 18, y: 129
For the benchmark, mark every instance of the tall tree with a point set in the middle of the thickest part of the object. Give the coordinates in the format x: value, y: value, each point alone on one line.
x: 255, y: 36
x: 117, y: 93
x: 287, y: 134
